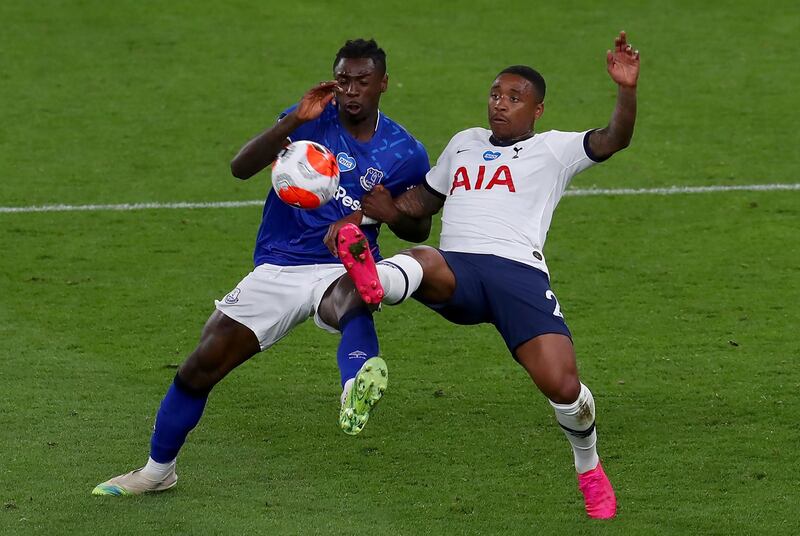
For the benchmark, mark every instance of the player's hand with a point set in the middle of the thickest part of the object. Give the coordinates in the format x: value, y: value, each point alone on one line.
x: 378, y: 205
x: 623, y: 62
x: 333, y: 230
x: 316, y: 99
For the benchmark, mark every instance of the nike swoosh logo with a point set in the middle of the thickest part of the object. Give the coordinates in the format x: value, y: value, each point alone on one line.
x: 461, y: 150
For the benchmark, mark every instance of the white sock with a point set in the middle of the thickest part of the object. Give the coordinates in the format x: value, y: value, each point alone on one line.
x: 157, y: 471
x: 577, y: 421
x: 400, y: 276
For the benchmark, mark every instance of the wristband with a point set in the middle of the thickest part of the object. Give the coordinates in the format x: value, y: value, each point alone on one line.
x: 366, y: 220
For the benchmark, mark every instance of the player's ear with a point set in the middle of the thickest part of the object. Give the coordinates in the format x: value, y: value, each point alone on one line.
x: 385, y: 83
x: 539, y: 110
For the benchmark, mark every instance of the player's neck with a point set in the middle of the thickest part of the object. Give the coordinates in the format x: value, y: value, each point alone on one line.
x: 505, y: 142
x: 361, y: 129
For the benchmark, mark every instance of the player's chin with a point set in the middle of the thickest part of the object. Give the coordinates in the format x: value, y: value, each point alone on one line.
x: 355, y: 118
x: 501, y: 130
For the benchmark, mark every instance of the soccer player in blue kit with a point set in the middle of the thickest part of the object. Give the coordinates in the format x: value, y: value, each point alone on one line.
x: 295, y: 275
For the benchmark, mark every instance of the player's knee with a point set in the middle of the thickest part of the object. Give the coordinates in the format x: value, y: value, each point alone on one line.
x: 566, y: 390
x: 438, y: 281
x: 193, y: 384
x: 427, y: 256
x: 202, y: 370
x: 196, y: 378
x: 224, y: 344
x: 339, y: 300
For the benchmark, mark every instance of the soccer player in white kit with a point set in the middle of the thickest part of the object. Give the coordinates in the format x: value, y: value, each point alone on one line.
x: 499, y: 188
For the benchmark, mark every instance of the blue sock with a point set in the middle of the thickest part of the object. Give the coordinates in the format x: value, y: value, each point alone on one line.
x: 359, y: 342
x: 179, y: 413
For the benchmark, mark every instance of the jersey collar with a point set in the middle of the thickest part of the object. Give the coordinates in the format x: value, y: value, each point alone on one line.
x: 508, y: 143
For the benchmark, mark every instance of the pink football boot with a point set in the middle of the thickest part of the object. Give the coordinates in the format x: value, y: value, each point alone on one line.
x: 354, y: 253
x: 598, y: 495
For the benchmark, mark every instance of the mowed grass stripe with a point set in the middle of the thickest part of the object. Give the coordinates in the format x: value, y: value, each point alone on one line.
x: 673, y: 190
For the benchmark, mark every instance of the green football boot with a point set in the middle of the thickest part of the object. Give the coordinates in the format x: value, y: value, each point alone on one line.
x: 366, y: 391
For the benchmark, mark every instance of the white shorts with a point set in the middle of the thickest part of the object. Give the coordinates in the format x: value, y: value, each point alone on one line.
x: 271, y: 299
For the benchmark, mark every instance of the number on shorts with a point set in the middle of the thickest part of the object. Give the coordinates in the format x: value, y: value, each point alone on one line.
x: 550, y: 295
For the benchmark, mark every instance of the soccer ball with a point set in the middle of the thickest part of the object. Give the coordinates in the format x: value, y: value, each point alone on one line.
x: 305, y: 175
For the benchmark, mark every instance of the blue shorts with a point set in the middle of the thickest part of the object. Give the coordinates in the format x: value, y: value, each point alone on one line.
x: 515, y: 297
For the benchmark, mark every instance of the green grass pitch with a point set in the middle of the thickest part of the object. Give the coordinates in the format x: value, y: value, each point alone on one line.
x: 683, y: 307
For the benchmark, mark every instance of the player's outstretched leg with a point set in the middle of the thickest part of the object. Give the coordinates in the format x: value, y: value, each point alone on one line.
x: 179, y: 413
x: 365, y: 391
x: 224, y: 345
x: 353, y: 249
x: 550, y: 361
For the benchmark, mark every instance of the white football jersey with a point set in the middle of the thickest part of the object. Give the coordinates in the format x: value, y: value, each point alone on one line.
x: 500, y: 200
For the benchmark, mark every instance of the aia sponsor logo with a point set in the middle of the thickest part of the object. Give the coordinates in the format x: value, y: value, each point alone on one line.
x: 501, y: 177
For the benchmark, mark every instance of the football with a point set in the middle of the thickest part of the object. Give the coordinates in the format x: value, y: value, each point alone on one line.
x: 305, y: 175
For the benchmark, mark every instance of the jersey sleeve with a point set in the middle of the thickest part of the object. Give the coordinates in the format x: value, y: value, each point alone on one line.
x: 438, y: 178
x: 572, y: 150
x: 411, y: 172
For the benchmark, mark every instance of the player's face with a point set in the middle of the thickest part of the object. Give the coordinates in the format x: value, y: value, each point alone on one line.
x: 513, y: 107
x: 362, y: 83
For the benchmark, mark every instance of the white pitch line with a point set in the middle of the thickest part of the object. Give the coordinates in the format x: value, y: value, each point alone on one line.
x: 675, y: 190
x: 131, y: 206
x: 672, y: 190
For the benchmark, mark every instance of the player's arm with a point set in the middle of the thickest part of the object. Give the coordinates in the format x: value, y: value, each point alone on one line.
x: 261, y: 151
x: 408, y: 215
x: 623, y: 66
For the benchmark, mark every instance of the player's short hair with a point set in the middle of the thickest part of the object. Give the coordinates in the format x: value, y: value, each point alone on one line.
x: 530, y: 74
x: 360, y: 48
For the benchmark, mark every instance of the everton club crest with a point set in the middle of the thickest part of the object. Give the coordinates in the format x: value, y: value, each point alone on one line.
x: 371, y: 178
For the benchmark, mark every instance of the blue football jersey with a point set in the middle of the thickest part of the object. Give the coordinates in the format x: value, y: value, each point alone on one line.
x: 290, y: 236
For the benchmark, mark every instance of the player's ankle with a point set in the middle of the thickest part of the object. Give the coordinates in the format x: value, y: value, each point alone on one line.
x: 157, y: 471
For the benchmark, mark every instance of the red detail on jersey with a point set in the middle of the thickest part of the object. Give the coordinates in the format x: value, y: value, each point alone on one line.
x: 464, y: 182
x: 481, y: 173
x: 508, y: 182
x: 501, y: 177
x: 322, y: 160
